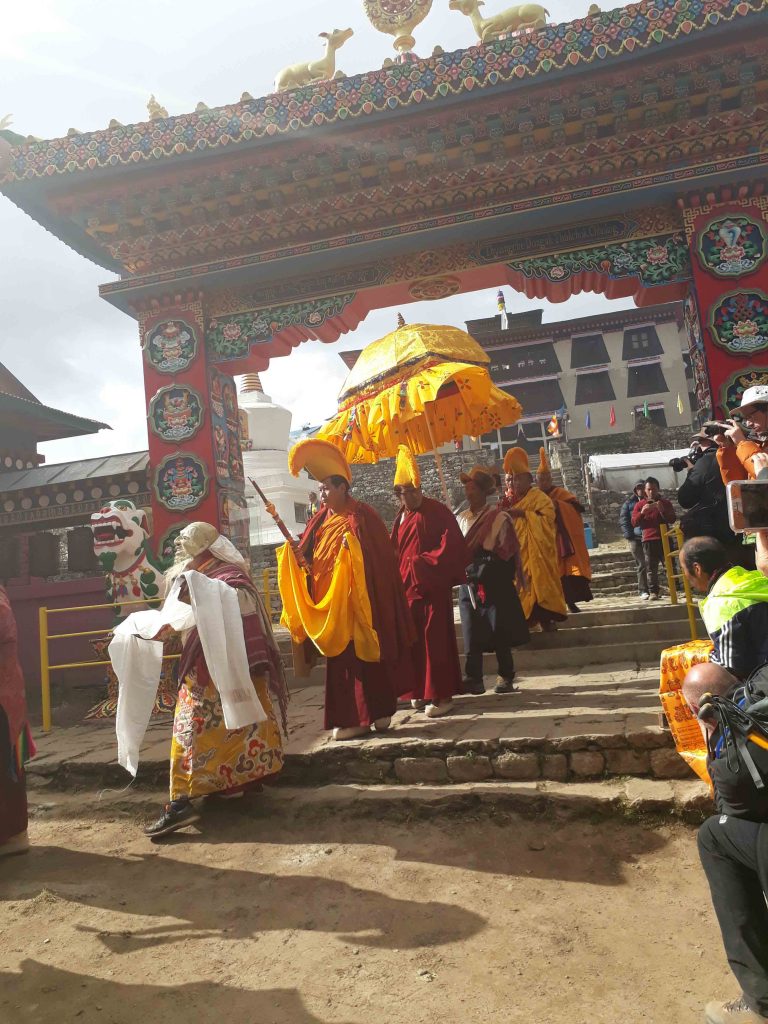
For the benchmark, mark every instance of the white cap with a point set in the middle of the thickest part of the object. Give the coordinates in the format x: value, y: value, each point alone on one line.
x: 757, y: 395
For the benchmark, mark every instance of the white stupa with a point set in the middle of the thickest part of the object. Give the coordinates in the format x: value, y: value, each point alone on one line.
x: 265, y: 458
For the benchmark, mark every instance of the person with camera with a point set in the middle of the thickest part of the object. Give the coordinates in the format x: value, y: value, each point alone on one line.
x: 733, y: 842
x: 649, y: 514
x: 633, y: 535
x: 702, y: 493
x: 746, y: 437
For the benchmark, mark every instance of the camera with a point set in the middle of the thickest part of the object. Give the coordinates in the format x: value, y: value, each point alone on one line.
x: 680, y: 465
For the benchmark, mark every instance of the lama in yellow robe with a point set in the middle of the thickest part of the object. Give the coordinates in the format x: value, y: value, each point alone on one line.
x: 542, y: 599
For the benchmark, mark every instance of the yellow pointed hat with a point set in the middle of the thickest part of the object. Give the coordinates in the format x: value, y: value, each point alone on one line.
x: 407, y: 469
x: 516, y: 461
x: 320, y: 458
x: 544, y: 466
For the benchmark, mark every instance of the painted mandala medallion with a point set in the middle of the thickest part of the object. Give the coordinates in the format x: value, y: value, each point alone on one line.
x: 170, y: 346
x: 181, y: 482
x: 176, y: 413
x: 739, y: 323
x: 732, y: 246
x: 737, y: 384
x: 435, y: 288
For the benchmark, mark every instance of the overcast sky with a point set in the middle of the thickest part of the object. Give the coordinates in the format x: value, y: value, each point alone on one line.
x: 76, y: 64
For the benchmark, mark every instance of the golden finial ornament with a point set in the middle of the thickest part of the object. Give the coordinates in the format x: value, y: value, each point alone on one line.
x: 397, y: 18
x: 156, y: 111
x: 400, y: 320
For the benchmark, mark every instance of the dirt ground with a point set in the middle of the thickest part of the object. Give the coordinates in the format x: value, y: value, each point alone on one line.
x: 316, y: 919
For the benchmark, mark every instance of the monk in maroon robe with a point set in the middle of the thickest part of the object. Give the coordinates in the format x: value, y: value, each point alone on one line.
x: 15, y: 740
x: 359, y: 695
x: 433, y: 556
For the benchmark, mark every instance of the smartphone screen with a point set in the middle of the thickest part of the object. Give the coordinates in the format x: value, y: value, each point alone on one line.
x: 748, y: 505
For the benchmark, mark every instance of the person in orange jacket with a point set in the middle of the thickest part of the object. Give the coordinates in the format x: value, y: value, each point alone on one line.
x: 735, y: 456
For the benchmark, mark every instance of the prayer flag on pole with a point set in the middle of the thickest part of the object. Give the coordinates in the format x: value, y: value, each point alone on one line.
x: 679, y: 404
x: 612, y: 417
x: 588, y: 421
x: 502, y: 308
x: 553, y: 427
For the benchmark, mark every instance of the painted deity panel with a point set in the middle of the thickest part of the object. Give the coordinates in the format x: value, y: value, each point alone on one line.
x: 739, y: 323
x: 732, y: 246
x: 225, y: 417
x: 737, y: 384
x: 698, y: 358
x: 170, y: 346
x: 176, y: 413
x: 181, y: 482
x: 234, y: 519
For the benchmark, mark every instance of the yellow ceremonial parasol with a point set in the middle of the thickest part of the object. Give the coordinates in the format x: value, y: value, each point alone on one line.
x: 420, y: 386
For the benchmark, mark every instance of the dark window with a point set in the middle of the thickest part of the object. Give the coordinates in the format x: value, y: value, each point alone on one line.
x: 300, y: 512
x: 588, y: 351
x: 80, y: 556
x: 523, y: 361
x: 43, y: 554
x: 594, y: 387
x: 522, y: 433
x: 538, y: 396
x: 640, y: 342
x: 9, y: 558
x: 646, y: 379
x: 688, y: 367
x: 657, y: 416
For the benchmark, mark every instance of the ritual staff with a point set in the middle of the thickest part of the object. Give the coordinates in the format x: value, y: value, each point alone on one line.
x: 534, y: 517
x: 492, y: 618
x: 209, y: 756
x: 15, y: 741
x: 433, y: 558
x: 352, y: 606
x: 575, y: 570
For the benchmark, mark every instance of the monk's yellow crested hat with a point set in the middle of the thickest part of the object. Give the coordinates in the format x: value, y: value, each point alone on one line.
x: 407, y: 469
x: 320, y: 458
x: 544, y: 466
x: 516, y: 461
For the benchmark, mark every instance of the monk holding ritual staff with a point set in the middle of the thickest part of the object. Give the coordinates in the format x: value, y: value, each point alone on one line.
x: 350, y: 603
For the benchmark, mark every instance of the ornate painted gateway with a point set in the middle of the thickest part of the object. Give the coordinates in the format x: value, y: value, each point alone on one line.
x: 624, y: 153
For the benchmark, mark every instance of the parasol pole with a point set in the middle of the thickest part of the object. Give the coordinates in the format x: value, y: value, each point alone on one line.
x: 280, y: 524
x: 438, y: 460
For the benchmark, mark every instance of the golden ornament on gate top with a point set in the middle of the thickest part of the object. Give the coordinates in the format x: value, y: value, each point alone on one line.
x: 397, y: 18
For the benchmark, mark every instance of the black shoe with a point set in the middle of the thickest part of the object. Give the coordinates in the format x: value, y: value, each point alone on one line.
x: 473, y: 686
x: 171, y: 820
x: 573, y: 607
x: 506, y: 686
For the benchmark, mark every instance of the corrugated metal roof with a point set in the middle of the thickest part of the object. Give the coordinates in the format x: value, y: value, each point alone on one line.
x: 71, y: 472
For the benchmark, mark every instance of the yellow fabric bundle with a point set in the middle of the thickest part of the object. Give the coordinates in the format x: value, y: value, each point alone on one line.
x: 538, y: 550
x: 342, y: 615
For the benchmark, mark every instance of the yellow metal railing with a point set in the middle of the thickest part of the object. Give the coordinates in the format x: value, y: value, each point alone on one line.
x: 671, y: 542
x: 270, y: 593
x: 45, y: 637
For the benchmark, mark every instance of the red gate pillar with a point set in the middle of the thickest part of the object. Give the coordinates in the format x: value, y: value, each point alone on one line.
x: 729, y: 259
x: 196, y: 464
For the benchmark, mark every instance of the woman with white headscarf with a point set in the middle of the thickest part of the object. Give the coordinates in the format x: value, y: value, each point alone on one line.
x: 207, y: 758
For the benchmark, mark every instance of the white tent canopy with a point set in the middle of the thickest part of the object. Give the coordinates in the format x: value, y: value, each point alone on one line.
x: 620, y: 472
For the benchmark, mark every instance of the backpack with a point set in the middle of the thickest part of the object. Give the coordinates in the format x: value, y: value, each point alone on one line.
x: 742, y: 717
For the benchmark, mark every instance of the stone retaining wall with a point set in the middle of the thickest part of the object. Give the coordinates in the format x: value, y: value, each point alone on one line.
x: 649, y: 753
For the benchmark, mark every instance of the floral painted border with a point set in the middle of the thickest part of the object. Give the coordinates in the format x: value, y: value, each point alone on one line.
x: 231, y: 336
x: 654, y: 261
x: 739, y: 323
x: 554, y: 48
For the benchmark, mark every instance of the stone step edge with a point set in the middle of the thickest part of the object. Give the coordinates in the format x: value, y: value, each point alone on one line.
x: 688, y: 801
x: 387, y: 763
